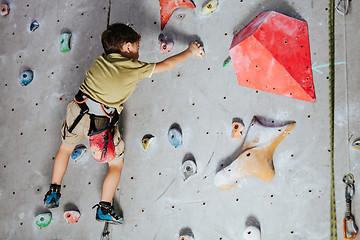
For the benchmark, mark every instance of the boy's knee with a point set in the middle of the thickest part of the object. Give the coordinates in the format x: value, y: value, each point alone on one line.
x: 67, y: 148
x: 116, y: 163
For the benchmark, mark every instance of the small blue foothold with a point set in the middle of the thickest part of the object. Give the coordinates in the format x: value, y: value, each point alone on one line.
x: 26, y: 77
x: 34, y: 25
x: 175, y: 135
x: 78, y: 152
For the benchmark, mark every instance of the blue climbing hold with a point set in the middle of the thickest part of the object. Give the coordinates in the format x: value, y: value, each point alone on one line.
x: 34, y: 25
x: 26, y: 77
x: 175, y: 135
x: 78, y: 152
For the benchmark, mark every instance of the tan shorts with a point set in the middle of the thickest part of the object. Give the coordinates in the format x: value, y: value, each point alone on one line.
x: 82, y: 129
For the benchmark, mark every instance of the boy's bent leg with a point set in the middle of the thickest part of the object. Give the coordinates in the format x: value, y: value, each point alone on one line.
x: 52, y: 197
x: 70, y: 140
x: 111, y: 180
x: 105, y: 211
x: 61, y: 162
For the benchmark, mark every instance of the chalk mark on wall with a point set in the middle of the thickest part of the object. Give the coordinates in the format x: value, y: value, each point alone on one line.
x: 316, y: 68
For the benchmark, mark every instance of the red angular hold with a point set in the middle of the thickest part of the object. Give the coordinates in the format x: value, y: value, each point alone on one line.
x: 272, y: 54
x: 167, y: 7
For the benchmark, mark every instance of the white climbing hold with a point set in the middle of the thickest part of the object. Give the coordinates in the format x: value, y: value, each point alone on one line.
x: 188, y: 169
x: 186, y: 237
x: 252, y: 233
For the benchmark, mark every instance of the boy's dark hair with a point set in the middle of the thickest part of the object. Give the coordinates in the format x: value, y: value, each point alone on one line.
x: 116, y: 35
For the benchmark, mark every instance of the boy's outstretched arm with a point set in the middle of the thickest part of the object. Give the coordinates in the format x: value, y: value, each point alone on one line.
x: 195, y: 49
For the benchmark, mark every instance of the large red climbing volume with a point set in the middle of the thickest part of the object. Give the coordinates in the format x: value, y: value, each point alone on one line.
x: 272, y: 54
x: 167, y: 7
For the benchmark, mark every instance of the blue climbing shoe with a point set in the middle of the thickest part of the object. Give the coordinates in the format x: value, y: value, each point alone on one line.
x: 106, y: 213
x: 52, y: 197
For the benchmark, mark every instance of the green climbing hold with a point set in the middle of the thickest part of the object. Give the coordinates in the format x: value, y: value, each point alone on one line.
x: 43, y: 219
x: 227, y: 61
x: 65, y: 42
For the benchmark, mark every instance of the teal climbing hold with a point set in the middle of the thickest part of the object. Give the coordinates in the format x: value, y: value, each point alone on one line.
x: 65, y: 42
x: 43, y: 219
x: 175, y: 135
x: 26, y: 77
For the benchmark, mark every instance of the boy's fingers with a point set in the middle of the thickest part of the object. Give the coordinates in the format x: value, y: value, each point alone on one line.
x: 201, y: 52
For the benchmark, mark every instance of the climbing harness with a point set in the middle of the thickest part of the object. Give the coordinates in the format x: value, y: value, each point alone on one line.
x: 91, y: 107
x: 101, y: 141
x: 331, y: 23
x: 342, y: 7
x: 349, y: 225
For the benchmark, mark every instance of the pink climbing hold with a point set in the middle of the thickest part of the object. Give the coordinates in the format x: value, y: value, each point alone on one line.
x: 272, y: 54
x: 166, y: 43
x: 72, y: 216
x: 167, y: 7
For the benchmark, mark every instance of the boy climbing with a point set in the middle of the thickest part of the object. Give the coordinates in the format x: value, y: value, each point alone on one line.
x: 109, y: 82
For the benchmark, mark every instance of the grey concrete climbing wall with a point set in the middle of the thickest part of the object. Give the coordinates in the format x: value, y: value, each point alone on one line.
x: 201, y: 96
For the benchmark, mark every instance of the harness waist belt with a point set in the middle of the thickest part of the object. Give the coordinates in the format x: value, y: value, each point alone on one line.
x: 98, y: 108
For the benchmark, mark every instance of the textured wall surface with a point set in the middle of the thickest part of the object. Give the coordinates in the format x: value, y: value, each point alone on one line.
x: 201, y: 96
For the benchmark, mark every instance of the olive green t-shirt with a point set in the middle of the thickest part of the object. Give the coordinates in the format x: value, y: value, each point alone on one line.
x: 112, y: 79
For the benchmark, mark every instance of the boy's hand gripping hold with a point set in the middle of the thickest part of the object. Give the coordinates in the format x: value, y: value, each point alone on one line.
x: 195, y: 49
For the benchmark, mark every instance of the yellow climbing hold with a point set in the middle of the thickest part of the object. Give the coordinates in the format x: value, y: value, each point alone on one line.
x: 356, y: 144
x: 210, y: 7
x: 147, y: 140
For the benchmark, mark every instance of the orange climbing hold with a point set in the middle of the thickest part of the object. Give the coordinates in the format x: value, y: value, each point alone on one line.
x: 238, y: 128
x: 72, y: 216
x: 272, y: 54
x: 167, y: 8
x: 5, y: 9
